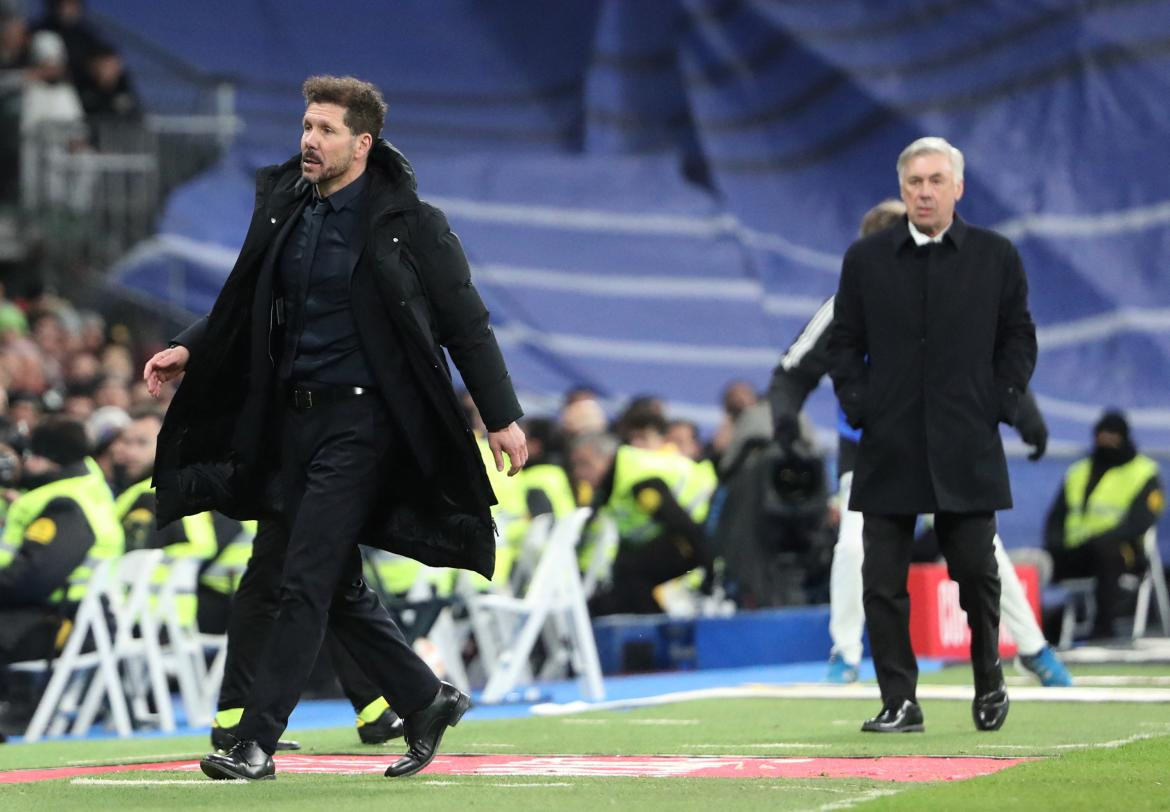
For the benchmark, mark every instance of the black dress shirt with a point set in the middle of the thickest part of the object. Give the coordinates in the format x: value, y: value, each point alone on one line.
x: 321, y: 343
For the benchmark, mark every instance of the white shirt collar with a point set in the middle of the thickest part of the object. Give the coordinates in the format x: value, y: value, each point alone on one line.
x: 921, y: 239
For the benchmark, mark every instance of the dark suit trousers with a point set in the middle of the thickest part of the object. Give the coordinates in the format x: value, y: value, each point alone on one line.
x: 336, y: 459
x: 965, y: 540
x: 253, y: 610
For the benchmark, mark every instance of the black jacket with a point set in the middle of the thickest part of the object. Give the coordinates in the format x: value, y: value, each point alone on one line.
x: 807, y: 360
x: 412, y: 295
x: 932, y: 347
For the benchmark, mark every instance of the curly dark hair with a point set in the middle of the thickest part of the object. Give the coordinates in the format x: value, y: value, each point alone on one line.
x: 365, y: 109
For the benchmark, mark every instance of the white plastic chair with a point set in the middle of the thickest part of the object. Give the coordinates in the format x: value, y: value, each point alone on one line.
x: 554, y: 600
x: 137, y: 649
x: 73, y: 670
x: 183, y: 655
x: 1152, y: 583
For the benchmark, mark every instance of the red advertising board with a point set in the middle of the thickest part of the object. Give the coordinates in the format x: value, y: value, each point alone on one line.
x: 938, y: 625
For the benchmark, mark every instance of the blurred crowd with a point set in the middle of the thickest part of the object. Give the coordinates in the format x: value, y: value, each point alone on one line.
x: 57, y: 71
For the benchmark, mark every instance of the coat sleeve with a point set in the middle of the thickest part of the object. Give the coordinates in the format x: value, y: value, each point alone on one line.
x: 461, y: 320
x: 1015, y: 340
x: 55, y: 544
x: 192, y: 335
x: 800, y: 370
x: 847, y: 343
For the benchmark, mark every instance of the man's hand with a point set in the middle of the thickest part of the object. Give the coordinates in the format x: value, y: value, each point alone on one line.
x: 509, y: 440
x: 168, y: 365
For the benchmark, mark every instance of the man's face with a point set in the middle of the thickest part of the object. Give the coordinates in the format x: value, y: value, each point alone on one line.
x: 588, y: 465
x: 1109, y: 439
x: 930, y: 191
x: 684, y: 440
x: 134, y: 449
x: 328, y: 148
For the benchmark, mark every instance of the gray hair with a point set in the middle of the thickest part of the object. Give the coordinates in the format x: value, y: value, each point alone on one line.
x: 599, y: 443
x: 936, y: 145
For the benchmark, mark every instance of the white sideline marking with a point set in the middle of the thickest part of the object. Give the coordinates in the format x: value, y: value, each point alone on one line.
x: 497, y: 784
x: 1109, y: 745
x: 664, y: 722
x: 815, y: 691
x: 131, y: 759
x: 849, y: 803
x: 762, y: 745
x: 153, y: 782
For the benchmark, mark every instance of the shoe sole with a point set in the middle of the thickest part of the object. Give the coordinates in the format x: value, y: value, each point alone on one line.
x: 219, y: 773
x: 460, y: 708
x: 907, y: 729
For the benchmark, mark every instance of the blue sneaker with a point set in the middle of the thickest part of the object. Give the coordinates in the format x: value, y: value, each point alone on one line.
x: 841, y: 672
x: 1048, y: 667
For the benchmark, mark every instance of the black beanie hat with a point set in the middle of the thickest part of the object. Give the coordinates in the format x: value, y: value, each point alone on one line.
x: 1114, y: 422
x: 59, y: 439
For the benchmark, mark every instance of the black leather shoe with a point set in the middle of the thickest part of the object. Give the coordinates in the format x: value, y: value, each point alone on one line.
x: 224, y: 739
x: 425, y: 728
x: 245, y: 761
x: 897, y: 716
x: 386, y: 727
x: 990, y: 709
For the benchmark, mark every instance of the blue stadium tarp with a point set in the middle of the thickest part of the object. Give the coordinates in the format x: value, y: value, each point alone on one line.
x: 656, y: 194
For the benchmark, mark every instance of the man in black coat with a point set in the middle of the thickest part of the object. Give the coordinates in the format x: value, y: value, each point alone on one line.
x: 932, y: 347
x: 316, y: 394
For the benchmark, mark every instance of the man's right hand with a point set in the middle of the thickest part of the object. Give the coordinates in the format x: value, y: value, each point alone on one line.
x: 165, y: 366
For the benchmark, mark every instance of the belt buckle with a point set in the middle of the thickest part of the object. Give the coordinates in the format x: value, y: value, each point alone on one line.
x: 302, y: 399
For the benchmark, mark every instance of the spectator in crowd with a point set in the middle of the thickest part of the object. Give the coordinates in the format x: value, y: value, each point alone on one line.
x: 658, y: 503
x: 684, y: 436
x: 66, y: 19
x: 546, y: 484
x: 103, y: 427
x: 107, y: 94
x: 1095, y: 526
x: 738, y: 397
x: 48, y: 98
x: 13, y: 36
x: 55, y: 535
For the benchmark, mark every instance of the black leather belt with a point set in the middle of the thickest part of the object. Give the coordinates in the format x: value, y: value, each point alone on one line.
x: 306, y: 397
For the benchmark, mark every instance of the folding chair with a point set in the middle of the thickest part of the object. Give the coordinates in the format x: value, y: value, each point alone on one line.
x: 554, y: 595
x: 137, y: 647
x: 183, y: 655
x: 74, y: 669
x: 1153, y: 581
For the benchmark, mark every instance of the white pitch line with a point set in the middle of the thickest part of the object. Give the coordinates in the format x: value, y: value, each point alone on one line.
x: 1109, y: 745
x: 152, y: 782
x: 820, y: 691
x: 498, y: 784
x: 149, y: 757
x: 664, y: 722
x: 764, y: 745
x: 864, y: 797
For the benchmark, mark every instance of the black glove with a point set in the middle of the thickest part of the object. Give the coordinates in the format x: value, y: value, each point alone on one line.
x: 1034, y: 433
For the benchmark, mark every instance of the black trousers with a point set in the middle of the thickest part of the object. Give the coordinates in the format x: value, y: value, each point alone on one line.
x: 1105, y: 560
x: 253, y: 610
x: 336, y: 458
x: 638, y: 568
x: 965, y: 540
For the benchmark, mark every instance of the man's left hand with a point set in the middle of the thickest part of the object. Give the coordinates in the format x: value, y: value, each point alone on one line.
x: 509, y: 440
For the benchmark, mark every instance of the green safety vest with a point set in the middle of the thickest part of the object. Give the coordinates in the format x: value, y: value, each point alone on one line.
x: 224, y: 572
x: 200, y: 544
x: 92, y: 495
x: 554, y: 482
x: 691, y: 483
x: 1109, y: 501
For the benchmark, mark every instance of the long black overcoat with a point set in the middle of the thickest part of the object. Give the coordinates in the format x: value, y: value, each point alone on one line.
x: 411, y: 294
x: 932, y: 348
